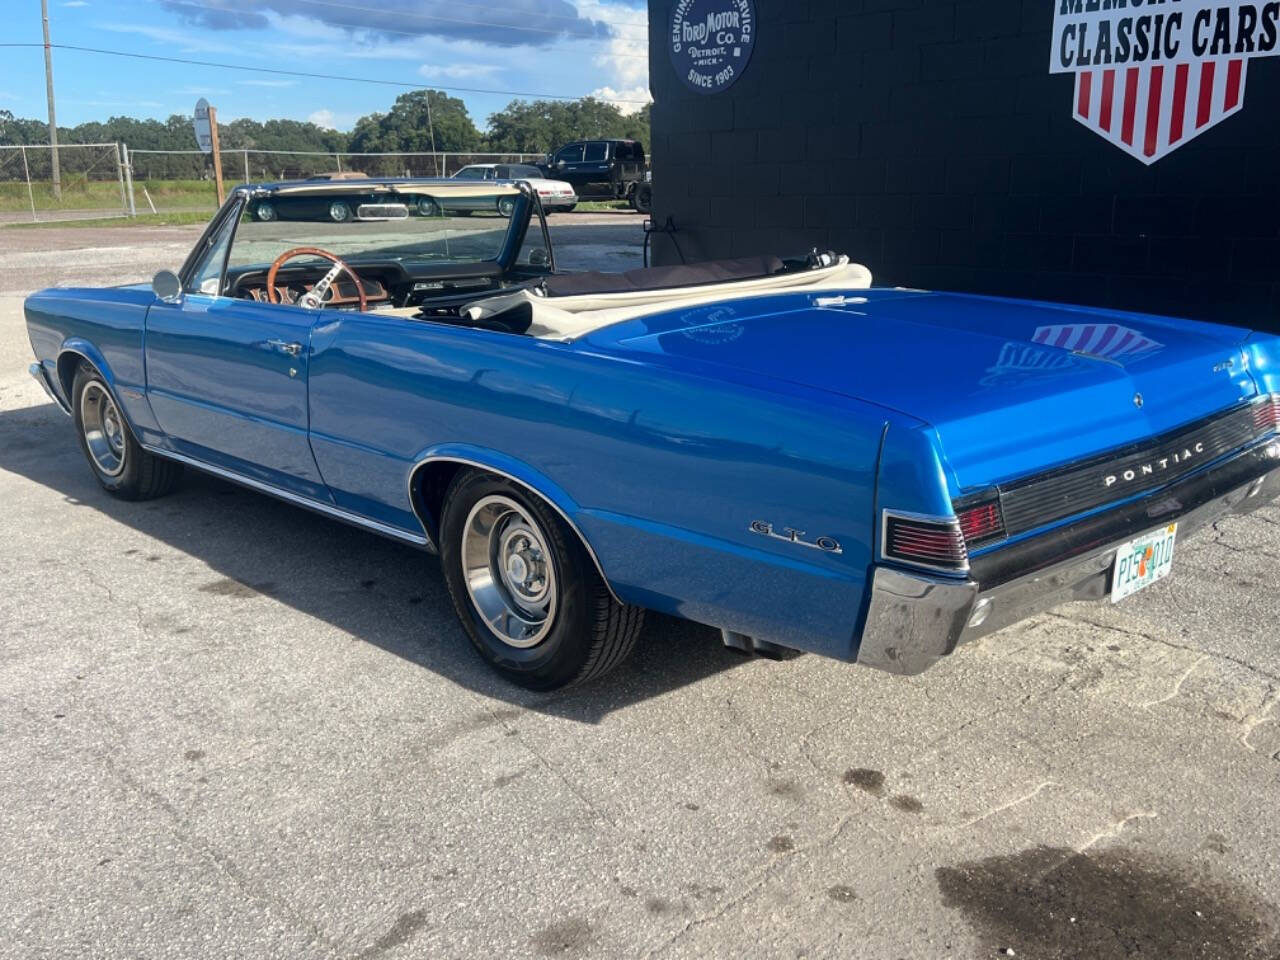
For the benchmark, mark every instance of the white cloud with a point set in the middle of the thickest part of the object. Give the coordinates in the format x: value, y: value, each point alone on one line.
x: 322, y: 118
x: 628, y: 101
x: 627, y: 59
x: 459, y: 71
x: 75, y: 3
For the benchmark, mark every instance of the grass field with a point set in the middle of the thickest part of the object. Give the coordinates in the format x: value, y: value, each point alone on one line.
x: 176, y: 219
x: 104, y: 195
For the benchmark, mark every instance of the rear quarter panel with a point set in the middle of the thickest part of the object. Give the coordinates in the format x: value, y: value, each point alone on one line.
x: 663, y: 471
x: 106, y: 326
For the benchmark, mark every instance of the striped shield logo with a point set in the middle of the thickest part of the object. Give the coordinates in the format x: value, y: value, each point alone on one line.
x: 1152, y: 82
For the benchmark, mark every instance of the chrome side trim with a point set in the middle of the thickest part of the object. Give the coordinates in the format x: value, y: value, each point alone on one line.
x: 38, y: 372
x: 951, y: 521
x: 539, y: 494
x: 336, y: 513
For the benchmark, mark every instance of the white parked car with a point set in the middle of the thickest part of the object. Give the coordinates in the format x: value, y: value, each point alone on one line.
x: 556, y: 195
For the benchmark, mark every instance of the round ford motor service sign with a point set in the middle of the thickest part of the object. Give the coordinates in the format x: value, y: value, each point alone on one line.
x: 711, y: 41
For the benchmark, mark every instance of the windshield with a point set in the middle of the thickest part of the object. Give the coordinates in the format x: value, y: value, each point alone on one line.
x: 467, y: 228
x: 472, y: 173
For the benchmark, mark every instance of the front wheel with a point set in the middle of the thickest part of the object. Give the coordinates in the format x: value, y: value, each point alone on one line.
x: 506, y: 206
x: 122, y: 467
x: 526, y: 590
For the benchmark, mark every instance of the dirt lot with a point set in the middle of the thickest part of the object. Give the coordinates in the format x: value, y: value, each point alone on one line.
x: 232, y: 728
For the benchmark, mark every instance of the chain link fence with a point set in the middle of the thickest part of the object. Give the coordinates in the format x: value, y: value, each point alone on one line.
x: 90, y: 184
x: 110, y: 180
x: 167, y: 181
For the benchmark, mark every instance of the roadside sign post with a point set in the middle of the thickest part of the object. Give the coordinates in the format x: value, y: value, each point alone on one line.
x: 206, y: 128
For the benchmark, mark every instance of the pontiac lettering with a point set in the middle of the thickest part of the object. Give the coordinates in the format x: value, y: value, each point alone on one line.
x: 1154, y: 467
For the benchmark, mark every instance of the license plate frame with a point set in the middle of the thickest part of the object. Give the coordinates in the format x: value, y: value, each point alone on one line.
x: 1143, y: 561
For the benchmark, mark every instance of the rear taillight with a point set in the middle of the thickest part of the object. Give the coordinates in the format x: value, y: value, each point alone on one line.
x: 981, y: 523
x: 932, y: 542
x: 1267, y: 414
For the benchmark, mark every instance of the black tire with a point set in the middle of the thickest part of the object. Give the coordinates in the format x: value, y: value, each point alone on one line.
x: 139, y: 475
x: 642, y: 198
x: 589, y: 632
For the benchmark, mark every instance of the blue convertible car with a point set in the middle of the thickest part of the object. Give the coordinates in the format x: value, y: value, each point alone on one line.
x: 768, y: 446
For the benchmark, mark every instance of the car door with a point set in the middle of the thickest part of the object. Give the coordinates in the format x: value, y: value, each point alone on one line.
x: 597, y: 169
x: 227, y: 378
x: 568, y: 166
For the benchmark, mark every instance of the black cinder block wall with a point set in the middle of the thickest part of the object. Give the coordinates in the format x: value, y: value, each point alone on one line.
x: 928, y: 140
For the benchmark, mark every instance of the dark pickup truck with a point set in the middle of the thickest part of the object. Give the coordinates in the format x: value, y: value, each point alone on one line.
x: 603, y: 170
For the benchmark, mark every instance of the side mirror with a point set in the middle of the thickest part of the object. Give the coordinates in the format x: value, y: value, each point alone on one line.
x: 561, y: 164
x: 166, y: 286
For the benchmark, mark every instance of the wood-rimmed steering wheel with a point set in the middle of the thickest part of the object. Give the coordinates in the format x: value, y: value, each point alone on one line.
x: 313, y: 299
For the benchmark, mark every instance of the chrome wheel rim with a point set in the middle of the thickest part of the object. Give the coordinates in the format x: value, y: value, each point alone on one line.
x: 339, y: 212
x: 103, y: 429
x: 509, y: 572
x: 426, y: 207
x: 266, y: 212
x: 506, y: 207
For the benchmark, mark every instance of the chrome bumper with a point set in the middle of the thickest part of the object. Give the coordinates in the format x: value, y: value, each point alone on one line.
x: 41, y: 377
x: 914, y: 620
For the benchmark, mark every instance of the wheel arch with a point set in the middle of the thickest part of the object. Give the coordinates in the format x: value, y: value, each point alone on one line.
x: 70, y: 356
x: 433, y: 472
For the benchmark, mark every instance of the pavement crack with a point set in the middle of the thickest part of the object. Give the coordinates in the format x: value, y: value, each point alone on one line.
x: 1254, y: 720
x: 222, y: 861
x: 551, y: 768
x: 1001, y: 808
x: 1115, y: 829
x: 1173, y: 645
x: 1177, y: 686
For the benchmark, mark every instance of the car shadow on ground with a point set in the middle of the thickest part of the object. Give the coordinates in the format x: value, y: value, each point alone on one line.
x: 377, y: 590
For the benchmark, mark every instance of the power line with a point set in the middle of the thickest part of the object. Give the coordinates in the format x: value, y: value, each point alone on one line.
x: 403, y: 14
x: 312, y: 76
x: 433, y: 17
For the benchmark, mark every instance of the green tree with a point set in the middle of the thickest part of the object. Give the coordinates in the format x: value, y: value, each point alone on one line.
x: 540, y: 126
x: 414, y: 122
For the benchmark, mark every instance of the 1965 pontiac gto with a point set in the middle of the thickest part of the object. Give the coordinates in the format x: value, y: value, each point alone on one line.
x: 768, y: 446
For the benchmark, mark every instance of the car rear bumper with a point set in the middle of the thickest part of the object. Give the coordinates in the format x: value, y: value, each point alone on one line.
x: 915, y: 619
x: 41, y: 376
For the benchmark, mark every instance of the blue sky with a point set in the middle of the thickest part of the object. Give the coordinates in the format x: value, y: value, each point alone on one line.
x: 566, y: 47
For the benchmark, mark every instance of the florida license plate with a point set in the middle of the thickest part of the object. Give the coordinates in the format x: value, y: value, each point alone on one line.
x: 1142, y: 562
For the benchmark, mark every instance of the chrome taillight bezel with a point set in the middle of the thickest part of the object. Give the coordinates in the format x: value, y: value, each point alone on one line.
x: 947, y: 528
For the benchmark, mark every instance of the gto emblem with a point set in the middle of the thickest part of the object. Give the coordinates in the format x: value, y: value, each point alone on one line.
x: 788, y: 535
x: 1150, y: 469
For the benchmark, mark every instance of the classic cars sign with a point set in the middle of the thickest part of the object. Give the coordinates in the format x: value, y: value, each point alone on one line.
x: 1152, y: 75
x: 710, y: 42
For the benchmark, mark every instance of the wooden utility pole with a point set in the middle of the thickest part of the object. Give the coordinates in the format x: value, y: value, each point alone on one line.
x: 53, y: 119
x: 217, y: 154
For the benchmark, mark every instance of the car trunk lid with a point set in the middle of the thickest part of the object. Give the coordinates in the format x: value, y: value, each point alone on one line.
x: 1010, y: 387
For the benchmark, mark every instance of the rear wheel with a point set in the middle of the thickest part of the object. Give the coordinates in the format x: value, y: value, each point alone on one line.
x: 642, y: 198
x: 122, y: 467
x: 525, y: 588
x: 506, y: 206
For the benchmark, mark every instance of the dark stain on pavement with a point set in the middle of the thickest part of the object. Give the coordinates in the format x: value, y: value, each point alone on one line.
x: 406, y: 925
x: 226, y: 587
x: 907, y: 804
x: 563, y: 937
x: 658, y: 906
x: 1056, y: 904
x: 841, y: 893
x: 787, y: 789
x: 871, y: 781
x: 781, y: 844
x: 191, y: 756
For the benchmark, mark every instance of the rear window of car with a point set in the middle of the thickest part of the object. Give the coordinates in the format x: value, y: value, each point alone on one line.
x: 597, y: 152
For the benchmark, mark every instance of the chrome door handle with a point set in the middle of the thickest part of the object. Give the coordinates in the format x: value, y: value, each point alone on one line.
x: 292, y: 349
